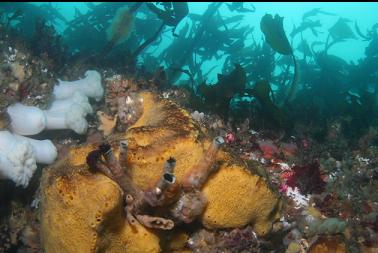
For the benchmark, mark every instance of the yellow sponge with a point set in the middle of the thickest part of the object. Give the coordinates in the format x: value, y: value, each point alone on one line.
x: 81, y: 211
x: 237, y: 198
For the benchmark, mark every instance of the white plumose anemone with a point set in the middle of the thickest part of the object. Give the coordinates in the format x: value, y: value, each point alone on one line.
x: 72, y: 118
x: 26, y: 120
x: 62, y: 105
x: 17, y: 159
x: 89, y: 86
x: 36, y: 120
x: 19, y: 156
x: 68, y: 111
x: 44, y: 150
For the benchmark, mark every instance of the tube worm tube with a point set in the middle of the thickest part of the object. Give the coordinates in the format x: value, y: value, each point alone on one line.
x: 95, y: 164
x: 122, y: 179
x: 155, y: 222
x: 129, y: 209
x: 134, y: 198
x: 145, y: 220
x: 199, y: 174
x: 168, y: 177
x: 165, y: 189
x: 123, y: 147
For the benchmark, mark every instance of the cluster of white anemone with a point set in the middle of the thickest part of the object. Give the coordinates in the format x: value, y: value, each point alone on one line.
x: 19, y: 155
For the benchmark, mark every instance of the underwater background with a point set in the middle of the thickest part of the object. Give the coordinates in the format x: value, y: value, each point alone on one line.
x: 188, y: 127
x: 291, y: 11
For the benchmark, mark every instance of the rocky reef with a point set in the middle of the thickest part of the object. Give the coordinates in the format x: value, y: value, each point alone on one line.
x: 91, y: 204
x: 133, y: 149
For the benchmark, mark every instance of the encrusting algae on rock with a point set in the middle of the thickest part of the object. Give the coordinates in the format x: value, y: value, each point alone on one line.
x: 92, y: 204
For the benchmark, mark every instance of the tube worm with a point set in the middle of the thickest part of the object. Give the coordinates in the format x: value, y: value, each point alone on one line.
x: 168, y: 177
x: 192, y: 202
x: 96, y: 164
x: 165, y: 190
x: 129, y: 208
x: 155, y: 222
x: 112, y: 169
x: 123, y: 147
x: 145, y: 220
x: 205, y: 166
x: 119, y: 175
x: 135, y: 199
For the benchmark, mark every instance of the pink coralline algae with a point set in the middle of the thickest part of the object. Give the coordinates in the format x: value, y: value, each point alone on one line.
x: 285, y: 176
x: 283, y: 188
